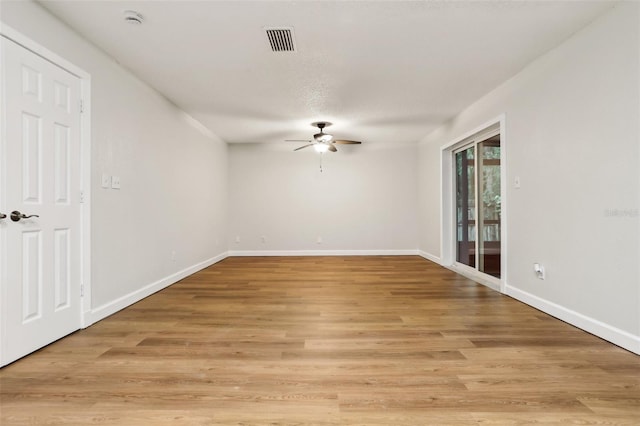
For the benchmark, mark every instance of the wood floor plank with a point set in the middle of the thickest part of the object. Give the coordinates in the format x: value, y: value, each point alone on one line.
x: 385, y: 340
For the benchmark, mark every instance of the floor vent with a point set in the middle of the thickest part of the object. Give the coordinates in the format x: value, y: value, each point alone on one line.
x: 281, y: 39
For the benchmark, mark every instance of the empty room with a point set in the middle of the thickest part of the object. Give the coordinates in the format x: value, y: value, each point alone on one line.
x: 319, y: 212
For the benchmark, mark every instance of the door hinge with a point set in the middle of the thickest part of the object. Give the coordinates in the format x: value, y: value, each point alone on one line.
x: 81, y: 106
x: 81, y: 197
x: 81, y: 290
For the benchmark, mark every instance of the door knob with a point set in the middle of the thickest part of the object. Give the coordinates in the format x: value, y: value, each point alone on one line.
x: 3, y: 216
x: 16, y: 216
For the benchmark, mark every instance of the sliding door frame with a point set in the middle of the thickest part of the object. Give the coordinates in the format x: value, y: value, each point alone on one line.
x: 448, y: 223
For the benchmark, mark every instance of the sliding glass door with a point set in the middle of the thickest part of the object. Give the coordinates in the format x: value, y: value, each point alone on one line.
x: 478, y: 200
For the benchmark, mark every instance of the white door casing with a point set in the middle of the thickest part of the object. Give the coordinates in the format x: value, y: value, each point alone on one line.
x: 40, y: 167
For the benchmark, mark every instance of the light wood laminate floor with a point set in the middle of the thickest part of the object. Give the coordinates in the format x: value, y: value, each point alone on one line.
x: 325, y: 341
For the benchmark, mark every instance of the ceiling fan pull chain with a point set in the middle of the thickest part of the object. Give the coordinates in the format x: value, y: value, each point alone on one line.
x: 321, y: 155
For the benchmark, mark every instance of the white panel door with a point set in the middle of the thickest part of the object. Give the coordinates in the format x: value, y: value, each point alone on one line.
x: 39, y: 175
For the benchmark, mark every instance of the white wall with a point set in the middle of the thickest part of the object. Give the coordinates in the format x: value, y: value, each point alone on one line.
x: 365, y: 200
x: 173, y: 176
x: 572, y: 137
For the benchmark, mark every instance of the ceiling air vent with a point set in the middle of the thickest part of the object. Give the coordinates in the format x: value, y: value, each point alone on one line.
x: 281, y: 39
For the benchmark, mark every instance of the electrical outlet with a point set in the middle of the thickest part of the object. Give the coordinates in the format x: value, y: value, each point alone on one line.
x: 539, y: 270
x: 115, y: 182
x: 263, y: 239
x: 237, y: 239
x: 319, y: 241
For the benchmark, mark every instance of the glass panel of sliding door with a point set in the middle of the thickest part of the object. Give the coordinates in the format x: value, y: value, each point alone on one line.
x: 489, y: 203
x: 465, y: 206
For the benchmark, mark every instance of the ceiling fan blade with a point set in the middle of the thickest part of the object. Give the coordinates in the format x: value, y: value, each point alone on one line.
x: 332, y: 148
x: 297, y: 140
x: 346, y: 142
x: 303, y: 146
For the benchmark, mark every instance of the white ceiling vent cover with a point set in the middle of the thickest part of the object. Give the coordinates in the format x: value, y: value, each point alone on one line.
x: 281, y: 39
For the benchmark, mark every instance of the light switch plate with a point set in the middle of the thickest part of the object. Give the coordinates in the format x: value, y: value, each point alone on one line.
x: 106, y: 180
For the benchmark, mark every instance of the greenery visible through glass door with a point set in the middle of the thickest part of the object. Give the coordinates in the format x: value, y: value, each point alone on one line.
x: 489, y: 215
x: 465, y: 206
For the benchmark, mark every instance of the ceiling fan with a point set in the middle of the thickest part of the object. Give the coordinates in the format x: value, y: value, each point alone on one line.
x: 323, y: 142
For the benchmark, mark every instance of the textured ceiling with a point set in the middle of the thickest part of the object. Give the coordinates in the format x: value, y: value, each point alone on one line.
x: 380, y: 71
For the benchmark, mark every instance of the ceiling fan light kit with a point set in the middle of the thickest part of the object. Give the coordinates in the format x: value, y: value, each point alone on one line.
x: 321, y: 147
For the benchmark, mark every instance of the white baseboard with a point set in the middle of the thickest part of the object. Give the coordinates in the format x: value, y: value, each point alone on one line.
x: 605, y: 331
x: 430, y: 257
x: 101, y: 312
x: 258, y: 253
